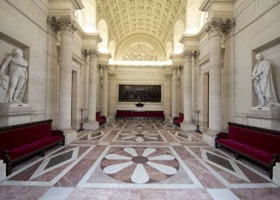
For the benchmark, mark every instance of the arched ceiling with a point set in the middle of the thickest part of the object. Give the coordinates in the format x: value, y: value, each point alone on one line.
x: 153, y: 17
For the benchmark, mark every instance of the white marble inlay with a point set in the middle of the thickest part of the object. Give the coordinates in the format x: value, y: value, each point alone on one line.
x: 163, y: 168
x: 222, y: 194
x: 117, y: 157
x: 112, y: 169
x: 148, y: 151
x: 162, y: 157
x: 131, y: 151
x: 56, y: 193
x: 140, y: 175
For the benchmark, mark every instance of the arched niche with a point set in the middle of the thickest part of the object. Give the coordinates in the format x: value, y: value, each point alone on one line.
x: 102, y: 28
x: 112, y: 49
x: 178, y: 31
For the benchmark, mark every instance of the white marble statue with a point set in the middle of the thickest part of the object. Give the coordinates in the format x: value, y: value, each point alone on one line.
x: 13, y: 76
x: 263, y: 84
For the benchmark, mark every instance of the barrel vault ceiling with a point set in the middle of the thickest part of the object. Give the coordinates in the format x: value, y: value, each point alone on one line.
x: 153, y: 17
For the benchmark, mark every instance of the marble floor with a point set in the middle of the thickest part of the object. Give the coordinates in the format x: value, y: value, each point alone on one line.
x: 138, y: 160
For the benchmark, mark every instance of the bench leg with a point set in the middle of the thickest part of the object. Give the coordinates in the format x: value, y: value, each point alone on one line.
x: 216, y: 145
x: 236, y: 155
x: 8, y: 169
x: 270, y: 171
x: 43, y: 153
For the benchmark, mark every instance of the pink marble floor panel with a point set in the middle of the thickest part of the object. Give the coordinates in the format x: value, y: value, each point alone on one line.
x: 232, y: 172
x: 73, y: 176
x: 40, y: 172
x: 257, y: 193
x: 21, y: 192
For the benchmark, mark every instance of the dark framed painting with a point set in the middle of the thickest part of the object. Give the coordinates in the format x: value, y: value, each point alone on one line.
x: 140, y: 93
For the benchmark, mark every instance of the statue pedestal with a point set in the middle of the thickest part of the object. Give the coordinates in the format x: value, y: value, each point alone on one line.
x: 265, y: 111
x: 265, y: 117
x: 11, y: 114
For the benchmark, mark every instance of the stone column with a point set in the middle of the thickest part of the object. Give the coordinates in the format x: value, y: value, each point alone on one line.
x: 215, y: 28
x: 187, y: 123
x: 167, y: 80
x: 112, y: 93
x: 92, y: 123
x: 194, y: 86
x: 66, y: 25
x: 105, y: 91
x: 174, y: 91
x: 85, y: 83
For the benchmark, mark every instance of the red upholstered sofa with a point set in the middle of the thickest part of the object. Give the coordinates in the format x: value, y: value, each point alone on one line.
x: 257, y: 144
x: 18, y: 142
x: 101, y: 119
x: 178, y: 120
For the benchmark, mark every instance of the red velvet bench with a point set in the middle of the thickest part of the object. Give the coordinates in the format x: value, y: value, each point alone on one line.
x: 257, y: 144
x: 135, y: 114
x: 101, y: 119
x: 18, y: 142
x: 178, y: 120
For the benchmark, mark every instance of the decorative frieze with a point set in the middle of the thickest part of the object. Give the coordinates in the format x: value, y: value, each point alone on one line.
x: 57, y: 23
x: 33, y: 10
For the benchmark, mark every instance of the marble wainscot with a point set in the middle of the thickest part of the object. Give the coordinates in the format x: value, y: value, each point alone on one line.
x: 11, y: 114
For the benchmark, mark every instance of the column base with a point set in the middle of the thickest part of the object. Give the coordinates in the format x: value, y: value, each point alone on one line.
x: 91, y: 125
x: 2, y: 171
x: 187, y: 126
x: 209, y: 137
x: 70, y: 136
x: 276, y: 174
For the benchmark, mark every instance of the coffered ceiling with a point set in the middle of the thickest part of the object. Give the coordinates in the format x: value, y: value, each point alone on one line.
x: 153, y: 17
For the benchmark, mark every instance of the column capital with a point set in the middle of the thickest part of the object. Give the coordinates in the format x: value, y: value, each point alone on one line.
x: 167, y: 75
x: 188, y: 54
x: 218, y: 25
x: 93, y: 53
x: 112, y: 74
x: 174, y: 68
x: 104, y: 68
x: 63, y: 22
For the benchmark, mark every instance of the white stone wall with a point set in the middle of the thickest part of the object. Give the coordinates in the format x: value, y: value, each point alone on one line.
x: 257, y: 30
x: 25, y: 26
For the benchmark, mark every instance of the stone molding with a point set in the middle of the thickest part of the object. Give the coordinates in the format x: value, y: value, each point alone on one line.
x: 220, y: 25
x: 205, y: 5
x: 57, y: 23
x: 168, y: 75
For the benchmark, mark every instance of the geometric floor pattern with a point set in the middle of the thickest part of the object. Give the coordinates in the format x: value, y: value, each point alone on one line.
x: 134, y: 159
